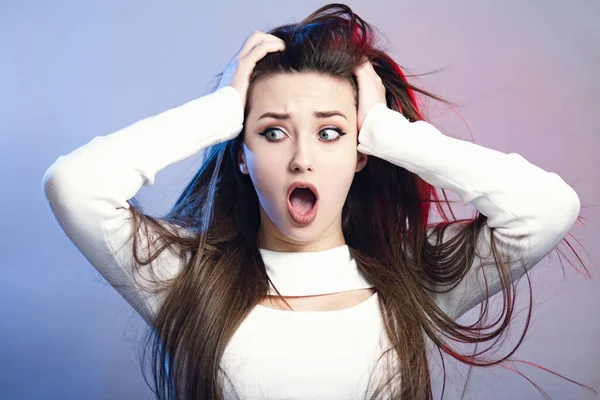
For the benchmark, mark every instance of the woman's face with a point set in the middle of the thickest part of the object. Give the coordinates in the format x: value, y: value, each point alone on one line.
x: 292, y: 137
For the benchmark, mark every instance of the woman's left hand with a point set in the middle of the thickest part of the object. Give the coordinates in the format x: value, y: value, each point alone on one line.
x: 370, y: 90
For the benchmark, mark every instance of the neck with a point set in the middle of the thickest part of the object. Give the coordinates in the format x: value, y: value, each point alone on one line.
x: 271, y: 238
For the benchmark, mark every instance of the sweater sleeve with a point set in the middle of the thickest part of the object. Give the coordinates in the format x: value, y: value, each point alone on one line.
x: 518, y: 198
x: 88, y: 189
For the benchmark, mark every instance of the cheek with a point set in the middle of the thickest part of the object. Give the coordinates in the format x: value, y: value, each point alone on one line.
x: 338, y: 173
x: 264, y: 172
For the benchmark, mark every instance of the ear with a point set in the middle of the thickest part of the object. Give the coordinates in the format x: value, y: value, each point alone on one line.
x: 242, y: 162
x: 361, y: 161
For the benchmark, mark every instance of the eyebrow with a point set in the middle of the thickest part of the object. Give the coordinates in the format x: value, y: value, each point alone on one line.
x: 318, y: 114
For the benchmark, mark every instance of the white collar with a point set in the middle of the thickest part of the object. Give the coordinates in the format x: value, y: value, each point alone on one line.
x: 312, y: 273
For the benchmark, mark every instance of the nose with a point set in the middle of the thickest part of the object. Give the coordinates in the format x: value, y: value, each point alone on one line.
x: 302, y: 159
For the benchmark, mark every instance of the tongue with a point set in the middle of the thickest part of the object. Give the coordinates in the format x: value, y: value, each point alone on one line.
x: 302, y: 200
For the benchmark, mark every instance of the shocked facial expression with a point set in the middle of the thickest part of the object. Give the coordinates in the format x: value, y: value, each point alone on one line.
x: 299, y: 149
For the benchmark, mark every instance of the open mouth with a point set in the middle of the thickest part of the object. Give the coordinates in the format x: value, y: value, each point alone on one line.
x: 302, y: 202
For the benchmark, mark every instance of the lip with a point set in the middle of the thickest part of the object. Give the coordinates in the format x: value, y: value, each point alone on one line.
x: 303, y: 219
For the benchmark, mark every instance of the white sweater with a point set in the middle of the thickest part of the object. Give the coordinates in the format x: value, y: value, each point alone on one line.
x: 279, y: 354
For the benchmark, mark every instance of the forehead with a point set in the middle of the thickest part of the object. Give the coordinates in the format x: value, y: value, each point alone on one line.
x: 291, y: 92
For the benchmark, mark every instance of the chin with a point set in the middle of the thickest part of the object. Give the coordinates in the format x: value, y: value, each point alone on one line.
x: 299, y: 233
x: 306, y: 233
x: 280, y: 222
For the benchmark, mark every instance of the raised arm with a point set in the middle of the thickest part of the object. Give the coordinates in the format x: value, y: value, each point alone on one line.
x: 517, y: 197
x: 88, y: 188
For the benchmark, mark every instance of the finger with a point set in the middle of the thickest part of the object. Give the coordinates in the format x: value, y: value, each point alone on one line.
x: 249, y: 43
x: 257, y: 42
x: 361, y: 70
x: 260, y: 50
x: 254, y: 40
x: 367, y: 70
x: 363, y: 64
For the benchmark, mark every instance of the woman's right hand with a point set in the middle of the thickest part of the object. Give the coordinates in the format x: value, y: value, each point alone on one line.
x: 238, y: 70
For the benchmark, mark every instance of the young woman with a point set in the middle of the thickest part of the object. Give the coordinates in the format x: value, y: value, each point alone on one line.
x: 300, y: 261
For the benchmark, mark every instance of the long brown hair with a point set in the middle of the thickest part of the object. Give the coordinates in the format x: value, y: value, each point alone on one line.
x: 385, y: 225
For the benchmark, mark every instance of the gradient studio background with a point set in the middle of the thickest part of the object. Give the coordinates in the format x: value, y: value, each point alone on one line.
x: 525, y: 75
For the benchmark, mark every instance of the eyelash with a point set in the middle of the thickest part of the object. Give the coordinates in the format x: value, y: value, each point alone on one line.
x: 333, y: 128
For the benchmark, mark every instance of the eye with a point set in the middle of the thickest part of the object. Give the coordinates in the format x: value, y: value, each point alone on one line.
x: 331, y: 137
x: 271, y: 134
